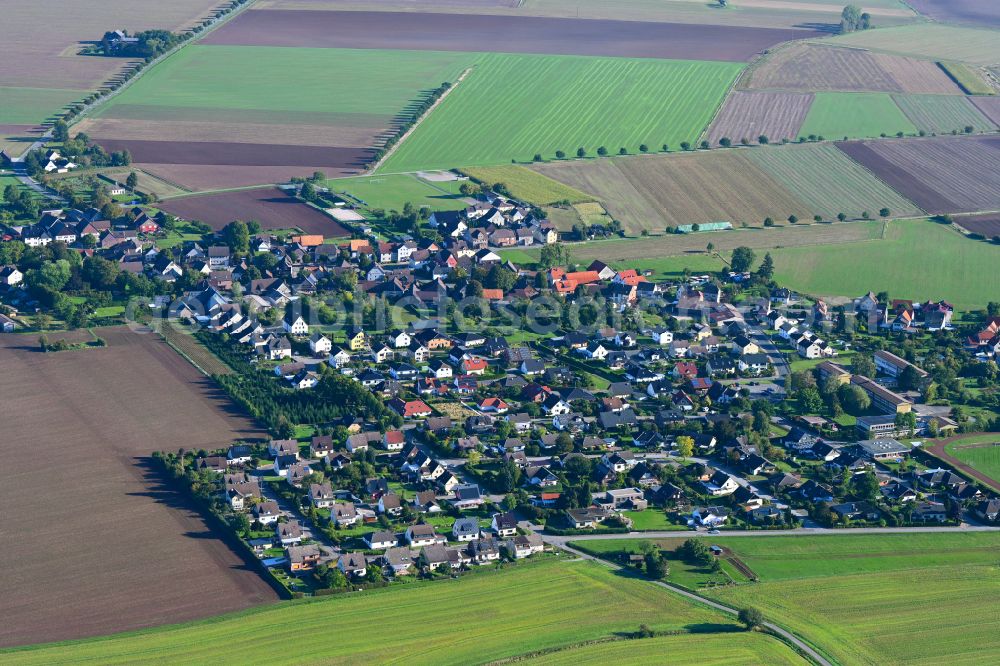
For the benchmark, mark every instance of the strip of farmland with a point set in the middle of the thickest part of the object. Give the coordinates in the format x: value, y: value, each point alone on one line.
x: 940, y: 114
x: 987, y: 225
x: 973, y: 12
x: 813, y: 67
x: 238, y: 154
x: 990, y: 107
x: 855, y: 115
x: 829, y: 181
x: 271, y: 207
x: 94, y: 543
x: 655, y: 191
x: 941, y: 175
x: 507, y: 34
x: 750, y: 115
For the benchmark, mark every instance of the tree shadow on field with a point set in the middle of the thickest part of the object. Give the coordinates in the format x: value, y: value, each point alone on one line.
x: 220, y: 400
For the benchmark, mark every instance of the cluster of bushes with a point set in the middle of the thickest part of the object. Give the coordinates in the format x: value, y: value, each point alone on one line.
x: 409, y: 120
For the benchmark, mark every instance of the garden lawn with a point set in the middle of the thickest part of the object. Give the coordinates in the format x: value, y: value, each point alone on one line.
x: 651, y: 520
x: 918, y: 259
x: 481, y: 617
x: 391, y: 192
x: 528, y: 185
x: 840, y: 115
x: 716, y: 649
x: 511, y: 107
x: 984, y: 458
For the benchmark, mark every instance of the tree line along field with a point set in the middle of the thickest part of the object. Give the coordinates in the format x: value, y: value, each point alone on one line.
x: 940, y: 114
x: 871, y: 599
x: 738, y: 186
x: 485, y: 616
x: 553, y: 103
x: 746, y: 116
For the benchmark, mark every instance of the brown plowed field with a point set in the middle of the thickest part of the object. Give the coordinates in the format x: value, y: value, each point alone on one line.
x: 940, y: 175
x: 271, y: 207
x: 811, y: 67
x: 988, y: 225
x: 776, y: 115
x: 938, y: 451
x: 237, y: 154
x: 93, y: 544
x: 217, y: 177
x: 507, y: 34
x: 981, y: 13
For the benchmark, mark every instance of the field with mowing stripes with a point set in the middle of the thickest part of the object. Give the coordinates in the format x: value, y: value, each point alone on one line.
x: 751, y: 114
x: 552, y: 103
x: 829, y: 181
x: 980, y: 451
x: 875, y: 598
x: 941, y: 114
x: 855, y: 115
x: 491, y: 621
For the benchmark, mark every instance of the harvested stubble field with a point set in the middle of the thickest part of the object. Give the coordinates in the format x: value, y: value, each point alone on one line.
x: 872, y: 598
x: 94, y: 543
x: 477, y: 33
x: 973, y: 12
x: 39, y: 41
x: 812, y: 68
x: 490, y: 622
x: 941, y: 114
x: 829, y: 181
x: 990, y: 107
x: 729, y: 185
x: 750, y: 115
x: 941, y: 175
x: 553, y: 103
x: 855, y: 115
x: 987, y: 225
x: 933, y: 41
x: 281, y: 112
x: 271, y: 207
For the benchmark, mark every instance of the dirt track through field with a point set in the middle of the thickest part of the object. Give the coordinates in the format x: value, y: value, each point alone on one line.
x: 937, y: 449
x: 502, y: 34
x: 94, y: 543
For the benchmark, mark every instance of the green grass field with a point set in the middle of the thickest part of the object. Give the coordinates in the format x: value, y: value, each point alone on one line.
x: 552, y: 103
x: 984, y: 458
x: 917, y: 259
x: 836, y: 115
x: 873, y: 599
x: 929, y: 40
x: 391, y: 192
x: 828, y: 180
x: 941, y: 114
x: 531, y: 607
x: 528, y: 185
x: 284, y: 85
x: 736, y: 649
x: 28, y: 106
x: 969, y: 79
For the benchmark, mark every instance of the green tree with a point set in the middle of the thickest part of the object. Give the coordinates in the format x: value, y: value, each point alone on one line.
x: 742, y: 259
x: 751, y: 618
x: 766, y: 269
x: 656, y: 566
x: 581, y: 152
x: 132, y: 180
x: 685, y: 446
x: 862, y: 364
x: 854, y: 399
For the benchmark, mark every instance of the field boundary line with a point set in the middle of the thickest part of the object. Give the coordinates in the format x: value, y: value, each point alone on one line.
x: 406, y: 135
x: 183, y: 355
